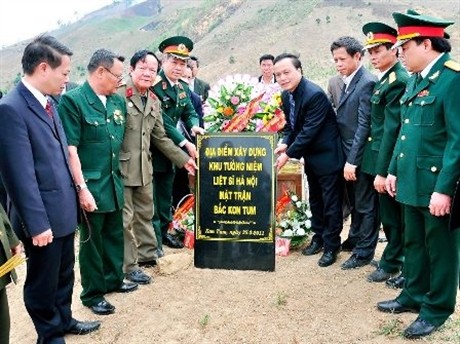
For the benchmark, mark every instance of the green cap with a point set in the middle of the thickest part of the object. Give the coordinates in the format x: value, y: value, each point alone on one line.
x: 413, y: 24
x: 178, y: 46
x: 378, y: 33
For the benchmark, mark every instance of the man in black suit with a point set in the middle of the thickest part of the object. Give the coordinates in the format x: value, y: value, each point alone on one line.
x: 198, y: 86
x: 311, y: 132
x: 353, y: 117
x: 36, y: 174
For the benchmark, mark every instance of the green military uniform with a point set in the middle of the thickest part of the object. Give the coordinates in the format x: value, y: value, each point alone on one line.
x: 385, y: 124
x: 427, y: 160
x: 97, y: 131
x: 176, y: 104
x: 8, y: 240
x: 144, y: 126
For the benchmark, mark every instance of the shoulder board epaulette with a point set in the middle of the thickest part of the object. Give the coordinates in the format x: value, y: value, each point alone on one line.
x: 122, y: 84
x: 392, y: 77
x: 157, y: 80
x: 452, y: 65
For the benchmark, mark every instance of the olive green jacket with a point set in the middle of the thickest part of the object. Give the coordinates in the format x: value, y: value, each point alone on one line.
x: 385, y: 120
x: 97, y: 132
x: 144, y: 126
x: 8, y: 240
x: 176, y: 106
x: 427, y: 154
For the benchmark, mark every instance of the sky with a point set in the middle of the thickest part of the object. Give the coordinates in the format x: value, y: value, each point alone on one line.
x: 24, y: 19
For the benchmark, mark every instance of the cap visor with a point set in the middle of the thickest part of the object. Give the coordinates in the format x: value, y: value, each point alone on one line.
x: 371, y: 46
x: 399, y: 43
x: 182, y: 57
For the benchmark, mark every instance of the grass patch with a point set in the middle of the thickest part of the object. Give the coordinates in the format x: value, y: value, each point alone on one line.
x: 390, y: 328
x: 281, y: 299
x: 205, y: 320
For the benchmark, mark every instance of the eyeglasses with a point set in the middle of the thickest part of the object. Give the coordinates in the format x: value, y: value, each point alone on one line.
x: 119, y: 77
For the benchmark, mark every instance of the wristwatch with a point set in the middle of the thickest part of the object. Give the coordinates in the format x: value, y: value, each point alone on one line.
x: 80, y: 187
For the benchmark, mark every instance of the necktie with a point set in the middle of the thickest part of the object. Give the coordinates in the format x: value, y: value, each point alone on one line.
x: 291, y: 110
x: 144, y: 100
x: 342, y: 94
x: 49, y: 108
x: 418, y: 79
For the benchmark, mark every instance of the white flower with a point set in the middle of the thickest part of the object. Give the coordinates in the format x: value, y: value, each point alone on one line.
x: 308, y: 212
x: 301, y: 231
x: 308, y: 224
x: 294, y: 198
x: 298, y: 204
x: 287, y: 232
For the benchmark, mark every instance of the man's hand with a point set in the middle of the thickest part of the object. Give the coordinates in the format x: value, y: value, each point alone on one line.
x: 281, y: 161
x: 281, y: 148
x: 191, y: 149
x: 197, y: 130
x: 349, y: 172
x: 18, y: 249
x: 390, y: 185
x: 87, y: 202
x: 379, y: 184
x: 190, y: 166
x: 439, y: 204
x: 43, y: 238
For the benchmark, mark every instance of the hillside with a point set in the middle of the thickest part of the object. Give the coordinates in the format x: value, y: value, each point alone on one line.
x: 230, y: 35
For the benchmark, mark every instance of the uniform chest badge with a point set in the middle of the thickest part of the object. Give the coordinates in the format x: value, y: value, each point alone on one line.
x: 423, y: 93
x: 118, y: 117
x: 182, y: 95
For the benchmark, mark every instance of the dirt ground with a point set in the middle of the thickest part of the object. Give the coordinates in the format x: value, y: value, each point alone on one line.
x: 298, y: 303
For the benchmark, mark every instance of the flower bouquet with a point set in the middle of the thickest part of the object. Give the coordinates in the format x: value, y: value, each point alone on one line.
x: 184, y: 220
x: 293, y: 219
x: 238, y: 104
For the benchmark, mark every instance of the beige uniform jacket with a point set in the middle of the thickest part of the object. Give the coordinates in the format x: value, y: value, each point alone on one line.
x: 144, y: 126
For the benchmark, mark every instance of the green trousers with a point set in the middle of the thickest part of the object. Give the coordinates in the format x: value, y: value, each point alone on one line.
x: 162, y: 200
x: 4, y: 318
x: 391, y: 216
x: 431, y: 264
x: 101, y: 255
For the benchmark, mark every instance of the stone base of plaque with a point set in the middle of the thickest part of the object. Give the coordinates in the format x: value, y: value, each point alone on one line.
x: 234, y: 255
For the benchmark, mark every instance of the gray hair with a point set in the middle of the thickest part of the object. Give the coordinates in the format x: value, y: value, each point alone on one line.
x: 104, y: 58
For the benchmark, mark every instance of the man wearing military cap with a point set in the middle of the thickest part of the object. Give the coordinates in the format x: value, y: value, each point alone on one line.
x: 385, y: 123
x: 176, y: 105
x: 424, y: 171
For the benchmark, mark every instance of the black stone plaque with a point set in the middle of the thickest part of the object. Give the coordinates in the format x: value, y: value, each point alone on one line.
x: 235, y: 202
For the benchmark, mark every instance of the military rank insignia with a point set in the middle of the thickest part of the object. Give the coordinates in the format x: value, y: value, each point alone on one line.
x: 164, y: 86
x: 434, y: 76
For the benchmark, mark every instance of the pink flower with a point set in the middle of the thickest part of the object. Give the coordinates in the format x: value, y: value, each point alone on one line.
x: 241, y: 110
x: 235, y: 100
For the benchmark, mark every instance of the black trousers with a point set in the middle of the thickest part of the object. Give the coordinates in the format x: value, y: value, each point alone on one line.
x: 365, y: 219
x: 325, y: 197
x: 48, y: 287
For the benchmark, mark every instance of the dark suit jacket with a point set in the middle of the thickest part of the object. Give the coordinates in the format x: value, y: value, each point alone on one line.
x: 201, y: 88
x: 334, y: 89
x: 354, y: 115
x: 34, y: 167
x: 315, y: 135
